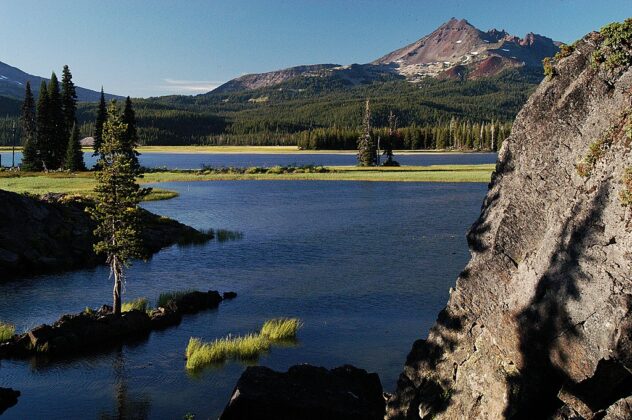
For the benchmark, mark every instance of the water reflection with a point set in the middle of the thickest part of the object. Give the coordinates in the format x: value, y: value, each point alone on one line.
x: 129, y: 406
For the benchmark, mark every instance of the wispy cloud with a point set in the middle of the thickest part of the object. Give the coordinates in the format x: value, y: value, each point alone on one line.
x: 189, y: 86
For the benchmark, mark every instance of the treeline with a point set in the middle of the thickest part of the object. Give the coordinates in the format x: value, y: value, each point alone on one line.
x: 160, y: 125
x: 49, y: 130
x: 326, y: 113
x: 453, y: 134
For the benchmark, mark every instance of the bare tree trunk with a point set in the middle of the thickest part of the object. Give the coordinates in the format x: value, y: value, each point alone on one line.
x: 116, y: 293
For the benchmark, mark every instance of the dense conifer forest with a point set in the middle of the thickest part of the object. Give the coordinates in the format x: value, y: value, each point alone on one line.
x: 326, y: 113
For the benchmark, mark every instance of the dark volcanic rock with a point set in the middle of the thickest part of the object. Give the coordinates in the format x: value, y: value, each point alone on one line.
x: 55, y: 234
x: 8, y: 398
x: 539, y: 323
x: 89, y: 331
x: 306, y: 392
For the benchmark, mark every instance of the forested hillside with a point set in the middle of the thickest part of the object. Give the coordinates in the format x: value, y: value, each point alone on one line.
x: 285, y: 114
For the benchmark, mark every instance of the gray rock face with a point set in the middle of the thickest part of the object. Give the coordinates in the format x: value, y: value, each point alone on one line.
x: 306, y: 392
x: 539, y: 323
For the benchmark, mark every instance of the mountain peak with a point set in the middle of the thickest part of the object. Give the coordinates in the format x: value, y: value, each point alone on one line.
x: 458, y: 43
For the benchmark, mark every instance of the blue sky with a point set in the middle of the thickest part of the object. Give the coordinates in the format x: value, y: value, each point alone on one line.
x: 156, y: 47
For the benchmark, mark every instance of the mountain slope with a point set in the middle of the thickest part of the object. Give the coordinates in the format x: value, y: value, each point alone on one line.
x: 457, y: 43
x: 13, y: 80
x: 455, y: 50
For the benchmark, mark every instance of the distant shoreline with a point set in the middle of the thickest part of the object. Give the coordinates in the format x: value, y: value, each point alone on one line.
x: 266, y: 150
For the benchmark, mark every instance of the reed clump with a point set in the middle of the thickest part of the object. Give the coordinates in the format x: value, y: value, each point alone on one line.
x: 246, y: 348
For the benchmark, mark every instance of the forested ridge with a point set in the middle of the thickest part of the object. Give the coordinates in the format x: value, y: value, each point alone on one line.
x: 326, y: 112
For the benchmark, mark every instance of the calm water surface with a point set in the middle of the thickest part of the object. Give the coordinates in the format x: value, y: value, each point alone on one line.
x: 196, y: 160
x: 366, y: 266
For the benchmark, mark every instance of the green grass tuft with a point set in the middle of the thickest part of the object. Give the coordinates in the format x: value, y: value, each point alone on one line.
x: 247, y: 347
x: 139, y: 304
x: 164, y: 298
x: 6, y: 331
x: 281, y: 328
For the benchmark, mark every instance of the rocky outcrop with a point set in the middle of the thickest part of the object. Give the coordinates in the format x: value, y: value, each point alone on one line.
x: 539, y: 325
x: 88, y: 331
x: 306, y: 392
x: 54, y: 233
x: 8, y: 398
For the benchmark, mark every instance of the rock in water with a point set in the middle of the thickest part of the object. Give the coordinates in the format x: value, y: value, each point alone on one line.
x: 539, y: 323
x: 8, y: 398
x: 306, y: 392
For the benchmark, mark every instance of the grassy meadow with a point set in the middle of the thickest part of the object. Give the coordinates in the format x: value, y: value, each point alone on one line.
x: 83, y: 182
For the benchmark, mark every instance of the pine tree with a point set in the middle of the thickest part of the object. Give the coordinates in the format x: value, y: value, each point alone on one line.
x: 31, y: 160
x: 69, y: 101
x: 116, y: 210
x: 131, y: 135
x: 59, y: 140
x: 43, y: 129
x: 74, y: 156
x: 98, y: 124
x: 366, y: 146
x: 390, y: 140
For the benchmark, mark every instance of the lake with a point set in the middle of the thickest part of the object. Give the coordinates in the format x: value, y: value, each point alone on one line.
x: 366, y: 266
x: 242, y: 160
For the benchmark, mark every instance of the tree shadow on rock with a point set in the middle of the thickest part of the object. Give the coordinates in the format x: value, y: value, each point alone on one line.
x: 533, y: 391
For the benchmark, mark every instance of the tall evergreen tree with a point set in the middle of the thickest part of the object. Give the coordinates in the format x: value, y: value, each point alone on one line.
x: 98, y: 124
x: 69, y: 100
x: 43, y: 128
x: 366, y: 147
x: 390, y: 140
x: 130, y: 138
x: 117, y: 196
x: 31, y: 159
x: 74, y: 156
x: 59, y: 140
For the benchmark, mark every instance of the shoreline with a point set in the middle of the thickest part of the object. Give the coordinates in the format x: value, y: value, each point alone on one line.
x: 267, y: 150
x: 82, y: 183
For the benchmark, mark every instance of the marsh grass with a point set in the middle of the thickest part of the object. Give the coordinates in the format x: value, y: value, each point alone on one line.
x: 165, y: 297
x: 6, y: 331
x: 279, y: 332
x: 281, y: 328
x: 247, y: 347
x: 223, y: 235
x: 139, y: 304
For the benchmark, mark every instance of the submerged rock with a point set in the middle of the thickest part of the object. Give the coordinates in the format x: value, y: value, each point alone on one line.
x: 306, y: 392
x: 54, y: 233
x: 539, y: 325
x: 8, y: 398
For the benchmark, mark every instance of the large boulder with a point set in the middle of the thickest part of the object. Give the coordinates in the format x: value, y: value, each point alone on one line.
x: 539, y: 324
x: 306, y: 392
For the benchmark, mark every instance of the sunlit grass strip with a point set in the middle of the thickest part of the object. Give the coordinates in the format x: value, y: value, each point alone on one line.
x: 139, y: 304
x: 165, y: 297
x: 247, y: 347
x: 281, y: 328
x: 6, y: 331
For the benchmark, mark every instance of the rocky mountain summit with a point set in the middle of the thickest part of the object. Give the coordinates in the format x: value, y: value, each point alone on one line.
x: 539, y: 324
x: 455, y: 50
x: 458, y: 49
